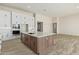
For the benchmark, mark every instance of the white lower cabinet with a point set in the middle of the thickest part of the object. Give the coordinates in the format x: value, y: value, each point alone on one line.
x: 6, y: 34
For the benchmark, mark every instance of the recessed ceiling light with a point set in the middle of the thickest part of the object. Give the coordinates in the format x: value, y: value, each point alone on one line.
x: 28, y: 6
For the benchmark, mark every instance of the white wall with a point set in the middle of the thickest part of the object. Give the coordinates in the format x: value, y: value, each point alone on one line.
x: 69, y: 25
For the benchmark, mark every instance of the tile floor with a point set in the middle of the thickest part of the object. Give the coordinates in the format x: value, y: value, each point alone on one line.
x: 63, y: 45
x: 15, y: 47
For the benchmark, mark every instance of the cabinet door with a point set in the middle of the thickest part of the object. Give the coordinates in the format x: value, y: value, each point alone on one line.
x: 5, y: 18
x: 33, y: 43
x: 43, y: 44
x: 22, y: 37
x: 27, y: 40
x: 23, y: 19
x: 7, y: 34
x: 31, y: 24
x: 16, y: 18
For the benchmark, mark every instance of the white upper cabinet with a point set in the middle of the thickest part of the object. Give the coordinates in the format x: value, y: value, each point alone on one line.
x: 23, y: 19
x: 16, y: 18
x: 27, y: 20
x: 5, y: 18
x: 31, y: 23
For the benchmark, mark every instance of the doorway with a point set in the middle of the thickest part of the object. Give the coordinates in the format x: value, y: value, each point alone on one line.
x: 54, y: 27
x: 40, y: 26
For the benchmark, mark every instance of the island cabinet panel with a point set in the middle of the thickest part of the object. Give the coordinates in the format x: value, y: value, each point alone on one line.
x: 40, y: 45
x: 25, y: 39
x: 33, y: 43
x: 29, y: 41
x: 45, y: 44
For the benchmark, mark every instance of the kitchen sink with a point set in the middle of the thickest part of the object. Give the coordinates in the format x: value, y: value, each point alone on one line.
x: 31, y: 33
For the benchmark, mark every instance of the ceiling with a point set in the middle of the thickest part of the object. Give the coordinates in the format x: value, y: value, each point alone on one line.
x: 50, y: 9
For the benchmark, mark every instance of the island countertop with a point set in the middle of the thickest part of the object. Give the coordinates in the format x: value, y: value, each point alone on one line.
x: 39, y: 34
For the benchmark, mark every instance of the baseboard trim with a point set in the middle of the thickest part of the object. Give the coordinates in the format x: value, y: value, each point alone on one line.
x: 68, y: 34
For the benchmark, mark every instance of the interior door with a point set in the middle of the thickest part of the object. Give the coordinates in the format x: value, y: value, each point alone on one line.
x: 40, y: 26
x: 54, y: 27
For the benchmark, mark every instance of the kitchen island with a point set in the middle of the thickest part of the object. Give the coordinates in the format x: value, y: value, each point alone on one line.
x: 40, y: 42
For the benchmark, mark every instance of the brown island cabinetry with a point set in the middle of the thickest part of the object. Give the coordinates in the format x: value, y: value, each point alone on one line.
x: 40, y: 45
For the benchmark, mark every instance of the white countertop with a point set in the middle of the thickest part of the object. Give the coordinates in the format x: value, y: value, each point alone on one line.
x: 39, y: 34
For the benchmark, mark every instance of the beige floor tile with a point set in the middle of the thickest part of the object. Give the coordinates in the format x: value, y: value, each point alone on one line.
x: 63, y: 45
